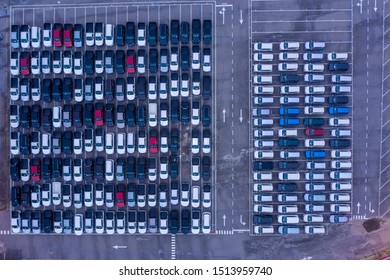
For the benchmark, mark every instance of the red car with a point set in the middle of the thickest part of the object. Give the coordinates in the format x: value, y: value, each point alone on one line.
x: 57, y: 34
x: 314, y: 132
x: 120, y: 196
x: 153, y: 142
x: 35, y: 169
x: 25, y: 63
x: 130, y: 61
x: 68, y: 35
x: 99, y: 114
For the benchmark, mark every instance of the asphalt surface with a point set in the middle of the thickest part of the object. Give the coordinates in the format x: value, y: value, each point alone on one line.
x: 231, y: 238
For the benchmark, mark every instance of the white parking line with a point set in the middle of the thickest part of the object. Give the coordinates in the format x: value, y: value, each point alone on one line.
x: 308, y: 10
x: 296, y: 21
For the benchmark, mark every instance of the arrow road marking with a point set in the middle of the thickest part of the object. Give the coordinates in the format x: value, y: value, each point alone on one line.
x: 369, y: 208
x: 241, y: 118
x: 361, y: 6
x: 224, y: 115
x: 243, y: 223
x: 116, y: 247
x: 241, y: 20
x: 358, y: 207
x: 224, y: 220
x: 375, y: 7
x: 222, y: 12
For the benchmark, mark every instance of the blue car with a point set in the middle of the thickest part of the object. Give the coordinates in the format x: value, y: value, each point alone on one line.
x: 315, y: 154
x: 289, y: 111
x: 288, y: 122
x: 334, y: 110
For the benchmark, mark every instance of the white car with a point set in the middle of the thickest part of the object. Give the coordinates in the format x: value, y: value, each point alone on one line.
x: 110, y: 143
x: 340, y: 208
x: 109, y: 35
x: 25, y: 36
x: 152, y: 176
x: 263, y: 154
x: 99, y: 88
x: 263, y: 57
x: 120, y: 143
x: 339, y: 79
x: 262, y: 79
x: 46, y: 143
x: 341, y: 164
x: 163, y: 168
x: 289, y: 154
x: 263, y: 90
x: 174, y: 85
x: 130, y: 88
x: 99, y: 35
x: 263, y: 122
x: 341, y: 89
x: 78, y: 143
x: 339, y: 197
x: 262, y: 67
x: 195, y: 113
x: 57, y: 116
x: 287, y: 209
x: 35, y: 63
x: 152, y: 88
x: 47, y: 35
x: 195, y: 142
x: 287, y: 56
x: 14, y: 143
x: 314, y: 100
x: 289, y: 176
x: 340, y: 154
x: 312, y: 45
x: 206, y: 223
x: 195, y: 222
x: 288, y: 219
x: 164, y: 144
x: 195, y: 197
x: 310, y: 110
x: 333, y: 56
x: 206, y: 143
x: 287, y: 66
x: 340, y: 132
x: 284, y: 46
x: 163, y: 222
x: 195, y: 61
x: 109, y: 170
x: 310, y: 56
x: 141, y: 34
x: 314, y: 89
x: 339, y: 121
x: 110, y: 222
x: 260, y: 46
x: 99, y: 62
x: 314, y: 229
x: 313, y: 67
x: 174, y: 65
x: 14, y: 64
x: 338, y: 186
x: 78, y: 63
x: 130, y: 143
x: 287, y: 132
x: 290, y: 89
x: 163, y: 88
x: 78, y: 173
x: 57, y: 62
x: 316, y: 165
x: 141, y: 64
x: 195, y: 173
x: 142, y: 146
x: 313, y: 143
x: 263, y: 143
x: 263, y: 100
x: 314, y: 78
x: 68, y: 62
x: 185, y: 195
x: 267, y: 176
x: 185, y: 85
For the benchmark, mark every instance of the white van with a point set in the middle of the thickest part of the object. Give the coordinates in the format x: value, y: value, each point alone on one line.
x: 290, y: 89
x: 314, y: 176
x: 263, y: 229
x: 263, y: 133
x: 262, y: 198
x: 130, y: 145
x: 263, y: 90
x: 287, y: 132
x: 195, y: 197
x: 262, y: 176
x: 313, y: 218
x: 316, y: 165
x: 341, y: 89
x: 314, y: 197
x: 314, y: 89
x: 263, y: 154
x: 263, y: 122
x: 206, y: 223
x: 263, y: 187
x: 287, y: 208
x: 263, y: 208
x: 35, y: 37
x: 314, y: 207
x: 340, y: 208
x: 57, y: 117
x: 288, y: 219
x: 289, y: 176
x: 56, y: 188
x: 340, y: 132
x: 339, y: 121
x: 287, y: 198
x: 340, y: 175
x: 341, y: 186
x: 341, y: 154
x: 289, y: 154
x: 314, y: 187
x: 263, y: 143
x: 314, y: 229
x: 339, y: 197
x: 341, y: 164
x: 288, y: 230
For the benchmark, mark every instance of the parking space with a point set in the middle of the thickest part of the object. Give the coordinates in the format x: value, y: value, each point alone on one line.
x: 295, y: 140
x: 170, y: 178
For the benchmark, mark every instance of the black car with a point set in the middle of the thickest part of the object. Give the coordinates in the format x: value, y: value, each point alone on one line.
x: 263, y: 165
x: 184, y: 32
x: 36, y: 219
x: 78, y: 115
x: 131, y: 168
x: 287, y: 187
x: 152, y: 34
x: 185, y: 112
x: 313, y: 121
x: 88, y: 114
x: 262, y: 219
x: 57, y: 89
x: 46, y: 168
x: 68, y: 221
x: 288, y: 164
x: 174, y: 223
x: 175, y: 31
x: 25, y: 144
x: 288, y: 142
x: 120, y: 61
x: 336, y: 99
x: 185, y: 221
x: 206, y: 168
x: 142, y: 168
x: 46, y: 88
x: 25, y: 116
x: 153, y: 60
x: 141, y: 88
x: 26, y: 195
x: 174, y: 114
x: 89, y: 62
x: 56, y: 167
x: 288, y: 78
x: 174, y: 141
x: 341, y: 66
x: 67, y: 142
x: 130, y: 114
x: 14, y: 169
x: 173, y: 166
x: 185, y: 58
x: 35, y: 83
x: 206, y: 115
x: 164, y: 33
x: 152, y: 188
x: 206, y: 87
x: 109, y: 115
x: 120, y: 35
x: 130, y: 33
x: 100, y: 168
x: 119, y: 89
x: 207, y: 32
x: 88, y: 169
x: 141, y: 116
x: 15, y: 196
x: 47, y: 224
x: 196, y: 31
x: 36, y: 116
x: 341, y: 143
x: 109, y: 89
x: 67, y: 89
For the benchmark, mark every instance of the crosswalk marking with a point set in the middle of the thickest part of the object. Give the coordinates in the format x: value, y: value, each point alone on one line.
x: 358, y: 217
x: 225, y: 232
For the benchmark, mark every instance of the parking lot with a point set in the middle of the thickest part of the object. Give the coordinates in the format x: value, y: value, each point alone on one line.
x: 294, y: 104
x: 167, y: 172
